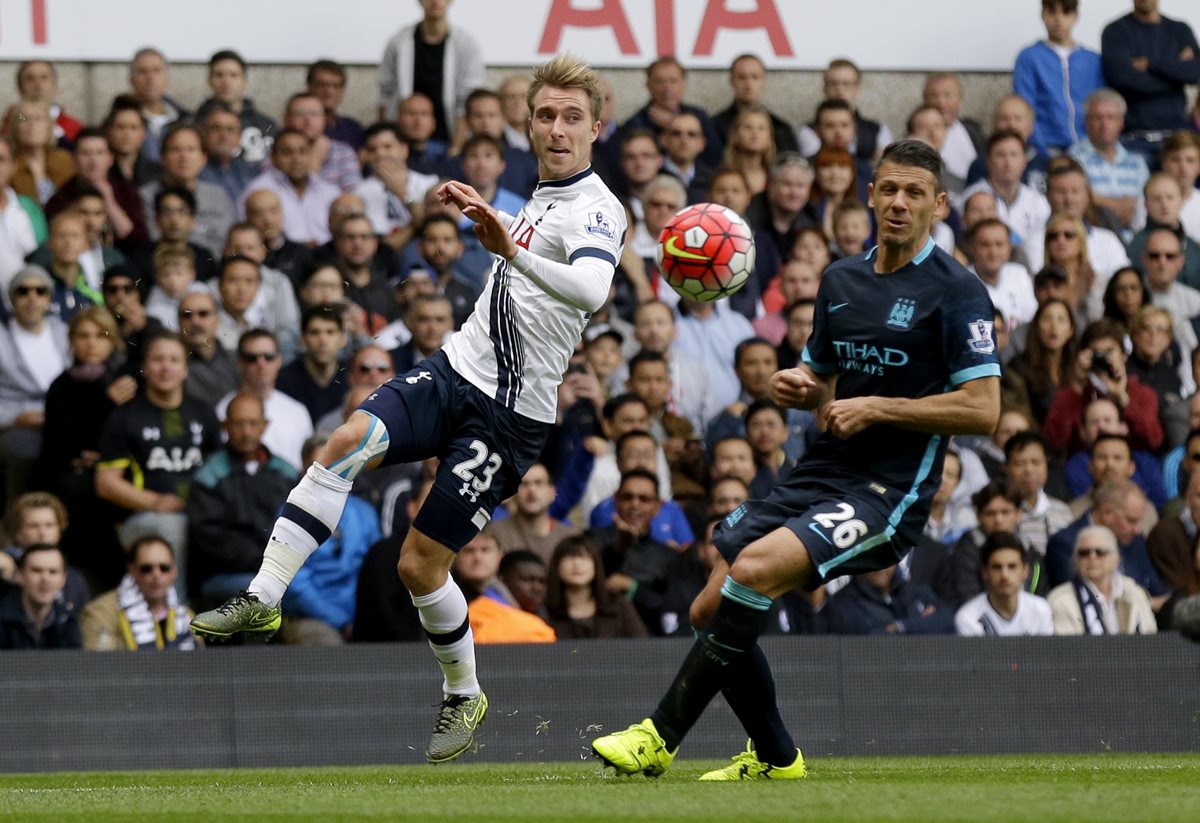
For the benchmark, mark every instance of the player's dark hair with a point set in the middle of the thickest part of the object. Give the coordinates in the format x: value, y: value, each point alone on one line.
x: 515, y: 557
x: 223, y: 55
x: 740, y: 350
x: 634, y: 474
x: 632, y: 435
x: 382, y: 126
x: 1108, y: 437
x: 1023, y: 440
x: 987, y: 223
x: 183, y: 194
x: 994, y: 489
x: 327, y: 66
x: 645, y: 356
x: 230, y: 259
x: 38, y: 547
x: 480, y: 139
x: 1000, y: 541
x: 615, y: 404
x: 832, y: 104
x: 764, y: 405
x: 323, y: 311
x: 1002, y: 135
x: 914, y: 153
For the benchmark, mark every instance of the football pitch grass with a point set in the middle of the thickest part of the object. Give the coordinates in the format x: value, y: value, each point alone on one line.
x: 1039, y: 789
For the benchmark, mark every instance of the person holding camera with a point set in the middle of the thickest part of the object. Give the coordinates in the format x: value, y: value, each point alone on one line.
x: 1099, y: 371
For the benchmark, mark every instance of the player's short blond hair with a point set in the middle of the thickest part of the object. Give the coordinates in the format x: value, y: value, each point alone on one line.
x: 568, y: 72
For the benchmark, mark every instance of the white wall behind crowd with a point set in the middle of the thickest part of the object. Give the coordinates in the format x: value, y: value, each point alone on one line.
x: 790, y: 34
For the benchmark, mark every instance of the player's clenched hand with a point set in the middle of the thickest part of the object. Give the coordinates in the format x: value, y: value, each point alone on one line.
x: 792, y: 388
x: 460, y: 194
x: 846, y: 418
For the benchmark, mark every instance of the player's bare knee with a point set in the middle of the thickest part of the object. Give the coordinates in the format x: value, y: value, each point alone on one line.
x: 702, y: 610
x: 358, y: 444
x: 424, y: 563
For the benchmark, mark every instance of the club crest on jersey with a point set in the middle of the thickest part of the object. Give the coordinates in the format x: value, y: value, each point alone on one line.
x: 981, y: 341
x: 598, y: 223
x: 901, y: 315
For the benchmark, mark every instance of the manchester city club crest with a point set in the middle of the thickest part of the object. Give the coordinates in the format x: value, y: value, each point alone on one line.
x: 901, y: 315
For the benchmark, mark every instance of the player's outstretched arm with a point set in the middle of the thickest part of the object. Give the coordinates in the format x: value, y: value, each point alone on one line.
x: 801, y: 388
x: 972, y: 408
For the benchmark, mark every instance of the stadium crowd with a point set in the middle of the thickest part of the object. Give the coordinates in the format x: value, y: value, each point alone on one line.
x: 193, y: 299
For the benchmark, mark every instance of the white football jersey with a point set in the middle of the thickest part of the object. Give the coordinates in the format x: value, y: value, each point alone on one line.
x: 977, y: 618
x: 516, y: 344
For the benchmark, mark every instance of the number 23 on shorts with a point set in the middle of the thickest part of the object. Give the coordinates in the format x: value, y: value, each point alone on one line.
x: 475, y: 483
x: 836, y: 524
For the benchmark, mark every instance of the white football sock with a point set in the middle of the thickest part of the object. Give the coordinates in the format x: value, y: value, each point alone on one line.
x: 444, y: 618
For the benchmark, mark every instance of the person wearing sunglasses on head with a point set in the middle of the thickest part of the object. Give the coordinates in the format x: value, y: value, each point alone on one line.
x: 143, y: 613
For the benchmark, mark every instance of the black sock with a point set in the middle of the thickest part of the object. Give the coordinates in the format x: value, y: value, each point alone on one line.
x: 739, y: 620
x: 750, y: 692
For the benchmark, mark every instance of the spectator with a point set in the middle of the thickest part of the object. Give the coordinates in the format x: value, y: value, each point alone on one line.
x: 175, y: 221
x: 126, y: 132
x: 60, y: 257
x: 707, y: 332
x: 259, y: 364
x: 1067, y: 191
x: 649, y: 379
x: 668, y: 525
x: 767, y: 431
x: 578, y: 601
x: 222, y: 131
x: 34, y: 616
x: 636, y: 565
x: 523, y: 573
x: 494, y: 615
x: 33, y: 352
x: 238, y: 287
x: 1125, y: 295
x: 733, y: 457
x: 441, y: 249
x: 641, y: 162
x: 183, y: 160
x: 484, y: 169
x: 655, y: 330
x: 748, y: 79
x: 40, y: 167
x: 781, y: 211
x: 430, y: 318
x: 37, y: 82
x: 1120, y: 506
x: 1008, y: 284
x: 1013, y: 113
x: 120, y: 204
x: 1055, y: 76
x: 1004, y: 609
x: 842, y: 80
x: 1150, y: 59
x: 666, y: 81
x: 1026, y: 461
x: 1177, y: 464
x: 174, y: 276
x: 326, y: 80
x: 320, y: 602
x: 149, y: 79
x: 835, y: 127
x: 1172, y: 544
x: 366, y: 267
x: 152, y: 446
x: 964, y: 137
x: 882, y: 602
x: 40, y: 517
x: 529, y: 524
x: 1164, y: 198
x: 77, y: 404
x: 334, y: 161
x: 97, y: 254
x: 22, y: 224
x: 602, y: 349
x: 750, y: 148
x: 518, y: 172
x: 1020, y: 206
x: 264, y: 211
x: 369, y: 368
x: 1108, y: 456
x: 1116, y: 175
x: 1099, y: 371
x: 393, y: 193
x: 1066, y: 249
x: 1099, y: 600
x: 124, y: 301
x: 232, y: 504
x: 661, y: 199
x: 1181, y: 160
x: 799, y: 318
x: 1155, y: 358
x: 211, y: 368
x: 852, y: 228
x: 1162, y: 261
x: 143, y: 612
x: 834, y: 184
x: 683, y: 142
x: 228, y: 79
x: 514, y: 99
x: 315, y: 378
x: 417, y: 126
x: 304, y: 197
x: 997, y: 510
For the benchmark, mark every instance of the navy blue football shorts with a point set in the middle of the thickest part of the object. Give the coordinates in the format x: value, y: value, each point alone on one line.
x: 484, y: 448
x: 847, y: 527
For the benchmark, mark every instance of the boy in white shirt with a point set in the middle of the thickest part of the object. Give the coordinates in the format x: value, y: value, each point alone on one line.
x: 1004, y: 608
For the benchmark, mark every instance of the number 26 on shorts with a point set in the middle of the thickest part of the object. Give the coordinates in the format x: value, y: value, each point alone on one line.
x: 840, y: 528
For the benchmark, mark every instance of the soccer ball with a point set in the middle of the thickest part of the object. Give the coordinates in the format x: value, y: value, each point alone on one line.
x: 706, y: 252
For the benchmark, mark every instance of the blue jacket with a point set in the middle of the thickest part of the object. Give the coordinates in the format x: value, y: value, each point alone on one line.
x: 326, y: 585
x: 1147, y: 474
x: 669, y: 526
x: 1056, y: 91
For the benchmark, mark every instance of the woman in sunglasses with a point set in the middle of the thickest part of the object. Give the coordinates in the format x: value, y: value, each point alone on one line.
x: 1099, y: 599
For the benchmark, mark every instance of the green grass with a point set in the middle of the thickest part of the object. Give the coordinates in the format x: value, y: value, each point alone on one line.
x: 1041, y: 789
